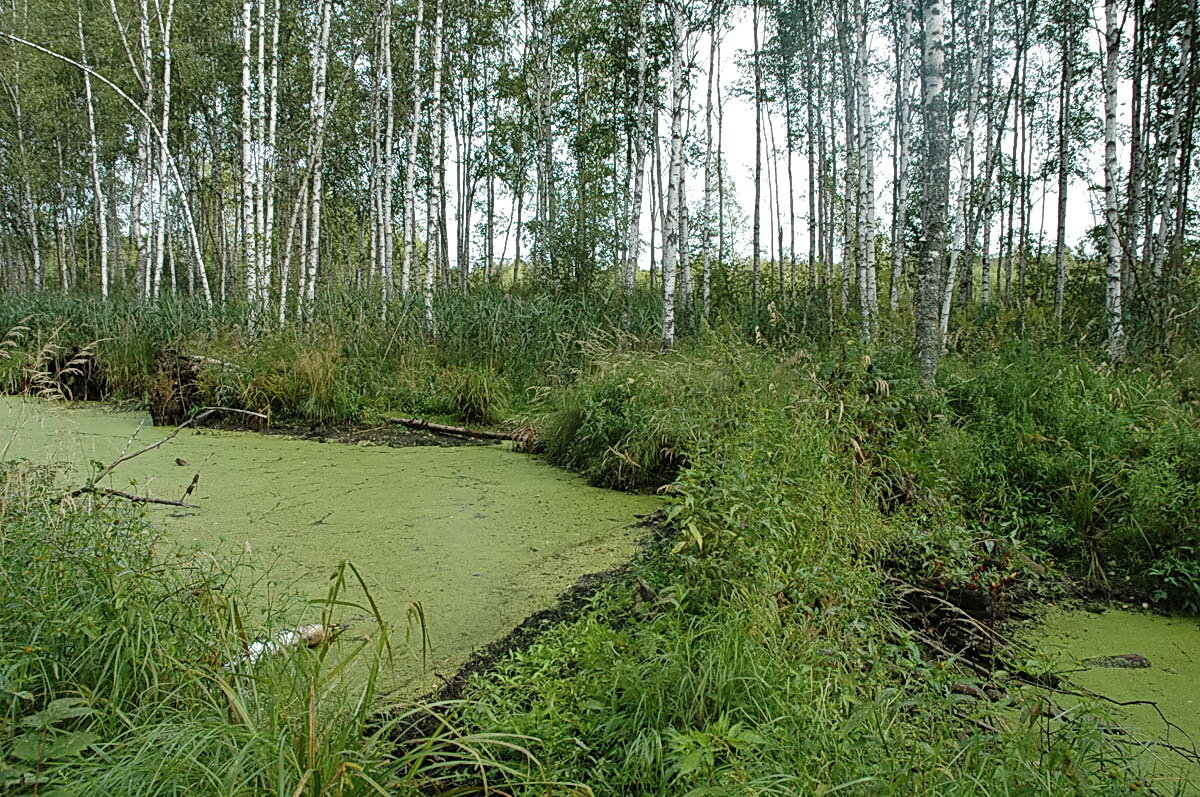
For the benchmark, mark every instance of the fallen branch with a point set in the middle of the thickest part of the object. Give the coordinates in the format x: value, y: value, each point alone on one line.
x: 906, y: 590
x: 205, y: 360
x: 1050, y: 682
x: 441, y: 428
x: 137, y: 499
x: 288, y: 639
x: 91, y: 487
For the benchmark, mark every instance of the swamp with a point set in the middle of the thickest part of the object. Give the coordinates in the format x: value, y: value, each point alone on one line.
x: 599, y: 397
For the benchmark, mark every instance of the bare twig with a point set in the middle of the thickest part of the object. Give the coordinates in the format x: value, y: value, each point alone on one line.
x: 1076, y: 691
x: 137, y: 499
x: 91, y: 487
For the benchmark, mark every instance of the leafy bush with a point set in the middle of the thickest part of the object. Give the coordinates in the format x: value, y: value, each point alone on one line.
x: 1099, y: 467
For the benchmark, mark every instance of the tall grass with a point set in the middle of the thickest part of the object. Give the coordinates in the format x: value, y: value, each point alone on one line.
x: 760, y: 656
x: 354, y: 358
x: 123, y: 670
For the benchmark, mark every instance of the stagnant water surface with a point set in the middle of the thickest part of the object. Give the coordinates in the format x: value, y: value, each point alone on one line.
x: 1080, y: 640
x: 480, y: 536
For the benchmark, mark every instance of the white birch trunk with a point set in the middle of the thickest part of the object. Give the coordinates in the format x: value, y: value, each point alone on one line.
x: 271, y: 161
x: 936, y: 192
x: 706, y: 250
x: 410, y: 172
x: 387, y: 160
x: 868, y: 298
x: 903, y: 134
x: 161, y: 165
x: 142, y: 167
x: 1114, y: 319
x: 433, y: 232
x: 316, y: 162
x: 671, y: 225
x: 249, y: 220
x: 94, y: 163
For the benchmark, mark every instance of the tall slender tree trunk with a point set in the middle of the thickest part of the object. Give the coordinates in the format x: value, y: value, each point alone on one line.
x: 163, y: 155
x: 387, y: 159
x: 936, y: 191
x: 900, y: 165
x: 709, y: 164
x: 318, y: 115
x: 671, y: 220
x: 756, y: 264
x: 94, y: 162
x: 250, y: 260
x: 868, y: 298
x: 958, y: 250
x: 269, y: 164
x: 433, y: 246
x: 1066, y: 79
x: 638, y: 164
x: 409, y: 259
x: 1114, y: 316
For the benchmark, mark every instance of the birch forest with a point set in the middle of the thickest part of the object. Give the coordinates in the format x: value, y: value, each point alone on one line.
x: 599, y: 397
x: 938, y: 157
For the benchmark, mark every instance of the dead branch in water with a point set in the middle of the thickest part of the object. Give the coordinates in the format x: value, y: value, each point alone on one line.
x: 137, y: 499
x: 204, y: 413
x: 91, y: 487
x: 964, y: 649
x: 461, y: 431
x: 288, y: 639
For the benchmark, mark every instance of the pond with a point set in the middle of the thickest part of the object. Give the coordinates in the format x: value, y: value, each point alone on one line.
x: 479, y: 536
x: 1166, y: 653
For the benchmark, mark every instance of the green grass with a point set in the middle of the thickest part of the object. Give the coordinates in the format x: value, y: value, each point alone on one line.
x: 122, y: 671
x: 767, y: 659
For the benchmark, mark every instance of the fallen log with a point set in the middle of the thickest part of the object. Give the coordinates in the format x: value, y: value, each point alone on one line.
x: 441, y: 428
x: 288, y: 639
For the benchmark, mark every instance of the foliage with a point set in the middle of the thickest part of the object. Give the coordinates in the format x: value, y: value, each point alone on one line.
x: 1099, y: 467
x: 760, y: 657
x: 123, y: 671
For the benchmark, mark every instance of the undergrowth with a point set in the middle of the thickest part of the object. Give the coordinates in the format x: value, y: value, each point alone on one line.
x: 762, y: 655
x: 124, y: 670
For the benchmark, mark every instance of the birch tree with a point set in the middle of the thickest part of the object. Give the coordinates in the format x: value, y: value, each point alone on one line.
x: 408, y: 263
x: 671, y: 217
x: 935, y: 191
x: 318, y: 117
x: 1114, y: 317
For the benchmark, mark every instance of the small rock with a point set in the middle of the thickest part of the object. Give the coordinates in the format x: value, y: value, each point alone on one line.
x: 1129, y: 661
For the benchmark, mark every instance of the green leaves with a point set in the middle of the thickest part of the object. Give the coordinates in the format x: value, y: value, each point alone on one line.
x: 38, y: 748
x: 58, y: 710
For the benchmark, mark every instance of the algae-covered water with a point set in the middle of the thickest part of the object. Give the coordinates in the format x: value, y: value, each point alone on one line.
x: 1077, y: 639
x: 479, y: 536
